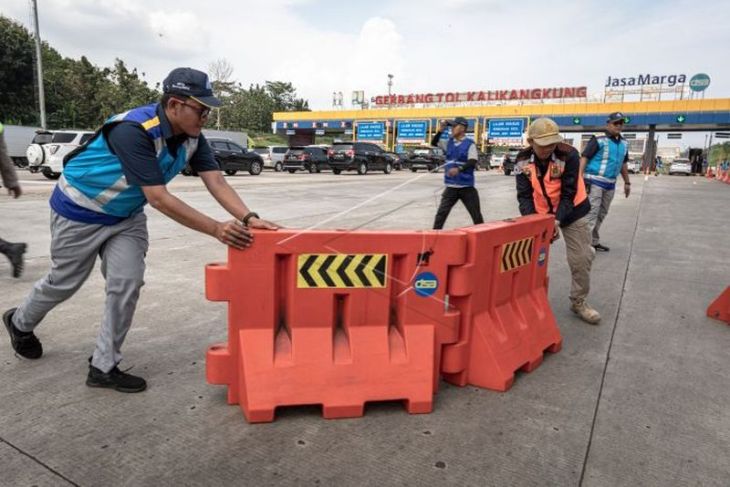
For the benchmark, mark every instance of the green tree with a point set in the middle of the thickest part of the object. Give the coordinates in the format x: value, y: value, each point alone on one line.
x: 719, y: 153
x: 284, y: 96
x: 17, y: 98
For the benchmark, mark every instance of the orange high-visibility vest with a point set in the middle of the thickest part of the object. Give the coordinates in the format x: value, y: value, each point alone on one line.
x: 546, y: 200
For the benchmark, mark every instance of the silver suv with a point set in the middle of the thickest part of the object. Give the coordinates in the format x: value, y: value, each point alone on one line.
x: 273, y: 156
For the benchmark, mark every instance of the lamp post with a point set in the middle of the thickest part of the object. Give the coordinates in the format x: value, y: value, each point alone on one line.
x: 39, y: 64
x: 390, y: 87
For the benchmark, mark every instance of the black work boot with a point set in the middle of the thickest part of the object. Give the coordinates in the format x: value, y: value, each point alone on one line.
x: 115, y: 379
x: 24, y: 343
x: 14, y: 252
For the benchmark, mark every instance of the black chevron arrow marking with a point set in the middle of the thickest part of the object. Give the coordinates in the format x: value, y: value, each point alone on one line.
x: 304, y: 271
x: 341, y: 271
x: 361, y: 267
x: 323, y: 270
x: 380, y: 270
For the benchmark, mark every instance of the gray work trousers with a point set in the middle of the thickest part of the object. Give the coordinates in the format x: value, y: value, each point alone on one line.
x: 580, y: 255
x: 600, y: 203
x: 74, y: 248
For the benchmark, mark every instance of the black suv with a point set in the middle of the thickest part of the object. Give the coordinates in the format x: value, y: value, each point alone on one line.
x: 310, y: 158
x: 429, y: 158
x: 359, y: 156
x: 232, y: 158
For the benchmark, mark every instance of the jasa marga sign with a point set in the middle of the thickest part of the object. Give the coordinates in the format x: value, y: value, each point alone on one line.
x: 646, y: 80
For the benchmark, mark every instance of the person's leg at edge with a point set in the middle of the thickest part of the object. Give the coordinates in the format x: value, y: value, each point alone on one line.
x: 448, y: 199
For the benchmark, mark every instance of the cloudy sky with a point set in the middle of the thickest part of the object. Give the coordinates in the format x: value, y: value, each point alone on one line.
x: 446, y: 45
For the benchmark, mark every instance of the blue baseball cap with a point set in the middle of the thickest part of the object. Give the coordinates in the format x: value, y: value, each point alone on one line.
x: 191, y: 83
x: 615, y: 117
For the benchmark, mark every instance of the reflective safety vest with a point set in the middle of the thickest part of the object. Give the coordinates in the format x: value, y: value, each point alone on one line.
x: 604, y: 167
x: 546, y: 191
x: 458, y: 156
x: 93, y: 177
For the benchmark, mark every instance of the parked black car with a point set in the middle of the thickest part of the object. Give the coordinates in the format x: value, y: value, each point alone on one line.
x: 232, y: 158
x: 396, y: 159
x: 359, y: 156
x: 428, y: 158
x: 310, y: 158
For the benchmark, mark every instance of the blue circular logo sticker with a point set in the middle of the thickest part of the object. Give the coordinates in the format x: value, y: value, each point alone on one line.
x: 426, y: 284
x: 542, y: 256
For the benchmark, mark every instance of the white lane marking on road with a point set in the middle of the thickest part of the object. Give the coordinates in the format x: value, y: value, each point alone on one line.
x: 42, y: 183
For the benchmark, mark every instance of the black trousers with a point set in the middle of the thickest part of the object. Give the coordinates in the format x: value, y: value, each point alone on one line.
x: 450, y: 196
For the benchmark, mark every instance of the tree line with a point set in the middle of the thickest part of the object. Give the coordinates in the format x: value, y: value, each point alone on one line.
x: 79, y: 94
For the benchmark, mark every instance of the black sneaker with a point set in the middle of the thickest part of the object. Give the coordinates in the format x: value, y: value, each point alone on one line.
x: 24, y: 343
x: 601, y: 248
x: 115, y: 379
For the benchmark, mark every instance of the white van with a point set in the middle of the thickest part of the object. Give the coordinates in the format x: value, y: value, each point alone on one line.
x: 273, y: 156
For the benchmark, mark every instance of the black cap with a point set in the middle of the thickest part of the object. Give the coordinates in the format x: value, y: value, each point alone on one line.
x: 461, y: 121
x: 615, y: 117
x: 190, y: 82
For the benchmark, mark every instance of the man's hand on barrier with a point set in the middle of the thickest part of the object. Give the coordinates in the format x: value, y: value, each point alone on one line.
x: 556, y: 233
x: 234, y: 234
x: 262, y: 224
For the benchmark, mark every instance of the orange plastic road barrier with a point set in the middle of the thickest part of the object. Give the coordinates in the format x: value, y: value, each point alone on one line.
x: 334, y: 318
x: 720, y: 308
x: 507, y: 322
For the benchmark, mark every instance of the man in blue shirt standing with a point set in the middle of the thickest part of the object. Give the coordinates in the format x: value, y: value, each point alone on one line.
x: 97, y: 208
x: 602, y: 160
x: 461, y: 160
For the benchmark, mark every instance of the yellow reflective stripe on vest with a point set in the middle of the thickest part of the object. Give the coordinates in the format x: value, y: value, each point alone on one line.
x: 153, y: 122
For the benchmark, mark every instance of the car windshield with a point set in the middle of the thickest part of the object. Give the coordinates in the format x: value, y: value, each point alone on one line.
x: 295, y: 151
x: 341, y: 147
x: 64, y: 137
x: 422, y: 152
x: 280, y: 150
x: 85, y: 138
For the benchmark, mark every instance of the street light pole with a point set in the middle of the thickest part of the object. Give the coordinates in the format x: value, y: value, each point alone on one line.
x: 390, y: 87
x: 39, y: 64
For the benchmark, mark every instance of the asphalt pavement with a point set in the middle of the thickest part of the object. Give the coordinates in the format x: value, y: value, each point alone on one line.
x: 641, y: 399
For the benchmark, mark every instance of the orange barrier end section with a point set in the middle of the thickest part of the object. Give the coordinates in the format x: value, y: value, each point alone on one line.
x: 507, y: 322
x: 334, y: 318
x: 720, y: 308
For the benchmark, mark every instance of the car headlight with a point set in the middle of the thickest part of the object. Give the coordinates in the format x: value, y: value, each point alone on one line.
x: 53, y: 149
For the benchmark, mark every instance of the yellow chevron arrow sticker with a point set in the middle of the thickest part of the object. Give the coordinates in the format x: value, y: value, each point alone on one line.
x: 516, y: 254
x: 342, y: 271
